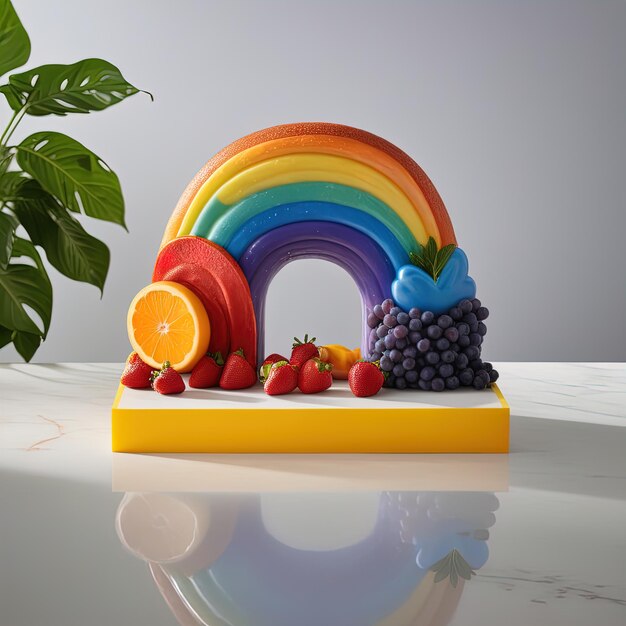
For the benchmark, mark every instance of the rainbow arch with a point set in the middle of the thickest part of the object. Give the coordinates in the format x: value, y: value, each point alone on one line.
x: 311, y: 190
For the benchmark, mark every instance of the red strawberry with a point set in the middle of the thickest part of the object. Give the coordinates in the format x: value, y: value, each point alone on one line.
x: 365, y: 379
x: 136, y: 373
x: 315, y: 376
x: 283, y: 378
x: 167, y: 380
x: 303, y: 351
x: 237, y: 373
x: 264, y: 370
x: 207, y: 371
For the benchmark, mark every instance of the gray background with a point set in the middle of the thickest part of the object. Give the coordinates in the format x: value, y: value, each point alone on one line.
x: 514, y: 109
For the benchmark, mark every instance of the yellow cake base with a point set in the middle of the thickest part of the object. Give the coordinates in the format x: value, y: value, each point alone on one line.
x: 250, y: 421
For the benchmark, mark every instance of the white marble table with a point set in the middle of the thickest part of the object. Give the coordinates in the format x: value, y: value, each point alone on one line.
x: 557, y: 544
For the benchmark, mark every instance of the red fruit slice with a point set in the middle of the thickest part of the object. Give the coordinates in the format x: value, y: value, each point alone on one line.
x: 216, y: 278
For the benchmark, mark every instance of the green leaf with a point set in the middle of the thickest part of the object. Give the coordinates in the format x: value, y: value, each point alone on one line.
x: 78, y: 178
x: 82, y: 87
x: 69, y: 248
x: 431, y: 260
x: 14, y: 41
x: 23, y: 285
x: 5, y: 336
x: 8, y: 224
x: 442, y: 257
x: 26, y: 344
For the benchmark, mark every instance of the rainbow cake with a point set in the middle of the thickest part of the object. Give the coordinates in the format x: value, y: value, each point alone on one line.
x: 310, y: 190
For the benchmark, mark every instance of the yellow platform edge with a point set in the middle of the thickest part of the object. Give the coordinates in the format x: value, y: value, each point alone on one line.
x: 422, y: 430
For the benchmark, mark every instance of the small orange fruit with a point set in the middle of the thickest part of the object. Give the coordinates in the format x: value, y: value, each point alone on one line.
x: 168, y: 322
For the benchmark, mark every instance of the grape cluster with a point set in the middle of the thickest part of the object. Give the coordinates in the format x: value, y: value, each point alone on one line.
x: 422, y: 350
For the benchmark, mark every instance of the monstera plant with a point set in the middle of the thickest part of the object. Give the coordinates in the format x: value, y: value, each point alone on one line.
x: 45, y: 180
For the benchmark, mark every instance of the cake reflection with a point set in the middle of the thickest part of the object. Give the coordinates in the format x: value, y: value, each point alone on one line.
x: 283, y: 559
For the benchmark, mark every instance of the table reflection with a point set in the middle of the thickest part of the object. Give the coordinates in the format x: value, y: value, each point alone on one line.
x: 332, y: 559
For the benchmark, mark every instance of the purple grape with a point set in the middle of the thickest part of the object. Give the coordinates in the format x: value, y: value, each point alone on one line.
x: 482, y: 313
x: 466, y: 377
x: 390, y: 320
x: 403, y: 318
x: 462, y: 361
x: 432, y: 358
x: 390, y: 380
x: 379, y: 346
x: 470, y: 319
x: 446, y: 370
x: 398, y: 369
x: 472, y: 352
x: 463, y: 341
x: 452, y: 382
x: 455, y: 347
x: 427, y: 373
x: 387, y: 305
x: 438, y: 384
x: 475, y: 339
x: 378, y: 311
x: 395, y: 356
x: 476, y: 365
x: 442, y: 344
x: 395, y: 310
x: 414, y: 313
x: 381, y: 331
x: 476, y: 304
x: 411, y: 376
x: 455, y: 313
x: 448, y: 356
x: 374, y: 356
x: 493, y: 376
x: 482, y: 329
x: 474, y: 327
x: 463, y: 329
x: 444, y: 321
x: 483, y: 375
x: 408, y: 363
x: 479, y: 383
x: 415, y: 336
x: 372, y: 320
x: 401, y: 344
x: 386, y: 364
x: 427, y: 317
x: 424, y: 385
x: 400, y: 383
x: 400, y: 331
x: 415, y: 324
x: 423, y: 345
x: 434, y: 332
x: 487, y: 367
x: 410, y: 352
x: 465, y: 306
x: 390, y: 341
x: 451, y: 334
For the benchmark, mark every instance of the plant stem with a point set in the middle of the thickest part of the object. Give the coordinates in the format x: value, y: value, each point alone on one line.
x: 12, y: 125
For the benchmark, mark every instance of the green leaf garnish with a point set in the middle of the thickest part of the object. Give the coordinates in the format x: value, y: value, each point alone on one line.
x: 452, y: 566
x: 432, y: 260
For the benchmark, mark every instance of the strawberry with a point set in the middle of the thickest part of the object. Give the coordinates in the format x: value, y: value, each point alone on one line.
x: 237, y: 373
x: 365, y: 379
x: 207, y: 371
x: 282, y: 378
x: 136, y: 374
x: 266, y: 366
x: 315, y: 376
x: 303, y: 351
x: 167, y: 380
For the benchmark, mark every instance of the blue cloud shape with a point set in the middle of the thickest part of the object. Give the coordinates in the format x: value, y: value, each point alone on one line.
x: 413, y: 287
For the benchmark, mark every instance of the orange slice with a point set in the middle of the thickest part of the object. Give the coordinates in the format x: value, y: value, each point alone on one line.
x: 168, y: 322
